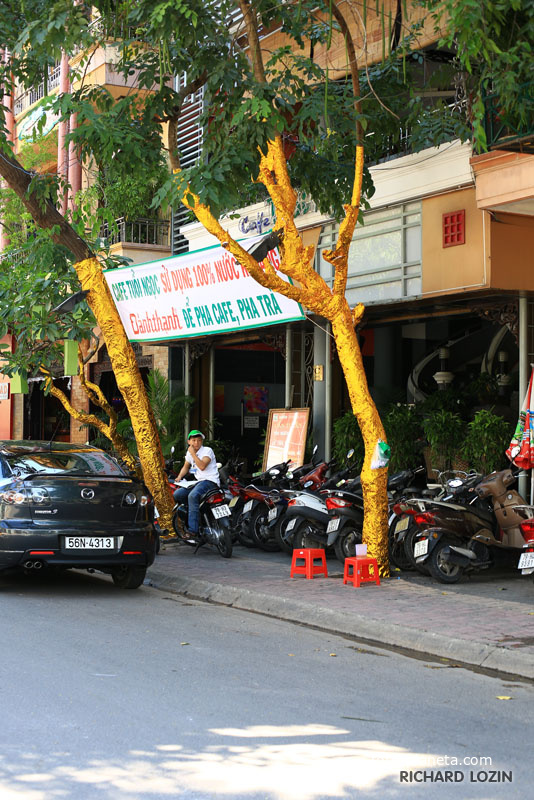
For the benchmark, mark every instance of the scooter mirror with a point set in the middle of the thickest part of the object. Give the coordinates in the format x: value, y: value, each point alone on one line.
x: 172, y: 450
x: 315, y: 448
x: 274, y: 472
x: 350, y: 453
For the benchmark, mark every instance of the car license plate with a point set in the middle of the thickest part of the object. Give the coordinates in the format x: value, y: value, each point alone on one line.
x: 291, y: 524
x: 221, y: 511
x: 90, y: 543
x: 247, y: 506
x: 526, y: 560
x: 333, y: 525
x: 402, y: 524
x: 272, y: 514
x: 421, y: 548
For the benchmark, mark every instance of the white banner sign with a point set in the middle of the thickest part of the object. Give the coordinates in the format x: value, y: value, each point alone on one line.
x: 195, y: 294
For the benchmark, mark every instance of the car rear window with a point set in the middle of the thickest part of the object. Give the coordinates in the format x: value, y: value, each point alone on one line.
x: 57, y: 463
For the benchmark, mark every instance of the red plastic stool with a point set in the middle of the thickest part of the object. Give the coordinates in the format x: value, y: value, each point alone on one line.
x: 308, y: 568
x: 364, y: 570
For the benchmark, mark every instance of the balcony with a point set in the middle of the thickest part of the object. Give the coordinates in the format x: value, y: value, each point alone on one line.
x: 152, y: 232
x: 512, y: 131
x: 35, y: 93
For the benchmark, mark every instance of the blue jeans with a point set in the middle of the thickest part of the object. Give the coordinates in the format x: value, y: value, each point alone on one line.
x: 193, y: 497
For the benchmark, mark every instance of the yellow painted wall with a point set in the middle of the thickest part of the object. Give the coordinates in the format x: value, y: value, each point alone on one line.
x: 464, y: 267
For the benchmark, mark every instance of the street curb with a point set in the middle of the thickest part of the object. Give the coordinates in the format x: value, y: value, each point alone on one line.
x: 419, y: 641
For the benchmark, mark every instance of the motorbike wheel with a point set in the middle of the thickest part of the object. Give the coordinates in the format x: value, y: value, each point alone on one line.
x: 396, y: 551
x: 442, y: 570
x: 243, y: 533
x: 345, y: 544
x: 303, y: 538
x: 224, y: 542
x: 285, y: 540
x: 260, y: 531
x: 409, y: 543
x: 128, y: 577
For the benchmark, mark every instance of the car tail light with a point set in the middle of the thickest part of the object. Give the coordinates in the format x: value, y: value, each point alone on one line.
x: 215, y: 498
x: 527, y: 529
x: 426, y: 518
x: 337, y: 502
x: 14, y: 497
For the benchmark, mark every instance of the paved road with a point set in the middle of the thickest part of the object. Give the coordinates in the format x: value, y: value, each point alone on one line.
x: 485, y: 620
x: 114, y: 695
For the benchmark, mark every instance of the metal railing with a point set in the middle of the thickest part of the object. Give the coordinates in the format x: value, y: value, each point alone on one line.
x: 37, y: 92
x: 139, y: 231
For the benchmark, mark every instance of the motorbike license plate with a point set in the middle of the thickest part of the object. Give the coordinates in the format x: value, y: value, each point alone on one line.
x: 402, y: 524
x: 233, y: 501
x: 291, y: 524
x: 247, y: 506
x: 333, y: 525
x: 89, y: 543
x: 272, y: 514
x: 221, y: 511
x: 526, y: 560
x: 421, y: 548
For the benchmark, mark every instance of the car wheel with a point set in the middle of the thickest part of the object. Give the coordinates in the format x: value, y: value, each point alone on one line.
x: 128, y: 577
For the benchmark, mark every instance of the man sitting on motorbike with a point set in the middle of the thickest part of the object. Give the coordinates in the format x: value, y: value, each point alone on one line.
x: 201, y: 465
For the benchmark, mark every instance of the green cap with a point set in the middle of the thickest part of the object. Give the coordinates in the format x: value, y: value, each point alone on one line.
x: 195, y: 433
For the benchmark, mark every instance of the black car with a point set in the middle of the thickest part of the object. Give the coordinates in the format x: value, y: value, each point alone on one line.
x: 72, y: 506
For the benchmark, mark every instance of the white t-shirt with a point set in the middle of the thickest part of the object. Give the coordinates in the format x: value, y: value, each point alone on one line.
x: 211, y: 473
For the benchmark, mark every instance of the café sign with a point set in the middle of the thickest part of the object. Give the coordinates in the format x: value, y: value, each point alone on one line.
x: 196, y: 294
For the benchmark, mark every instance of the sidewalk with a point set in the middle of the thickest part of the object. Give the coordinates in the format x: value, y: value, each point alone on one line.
x: 486, y: 621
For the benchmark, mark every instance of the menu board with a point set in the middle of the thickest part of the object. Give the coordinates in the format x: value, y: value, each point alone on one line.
x: 286, y: 436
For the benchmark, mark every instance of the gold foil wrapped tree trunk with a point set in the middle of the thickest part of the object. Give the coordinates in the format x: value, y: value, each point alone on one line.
x: 313, y: 293
x: 130, y: 385
x: 122, y: 357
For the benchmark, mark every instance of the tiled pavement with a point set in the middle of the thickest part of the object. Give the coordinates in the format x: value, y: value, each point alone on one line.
x: 485, y: 621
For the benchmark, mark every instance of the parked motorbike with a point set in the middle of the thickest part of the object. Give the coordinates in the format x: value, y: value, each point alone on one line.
x: 308, y: 517
x: 526, y: 559
x: 309, y: 478
x: 455, y: 538
x: 405, y: 485
x: 258, y: 500
x: 214, y: 527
